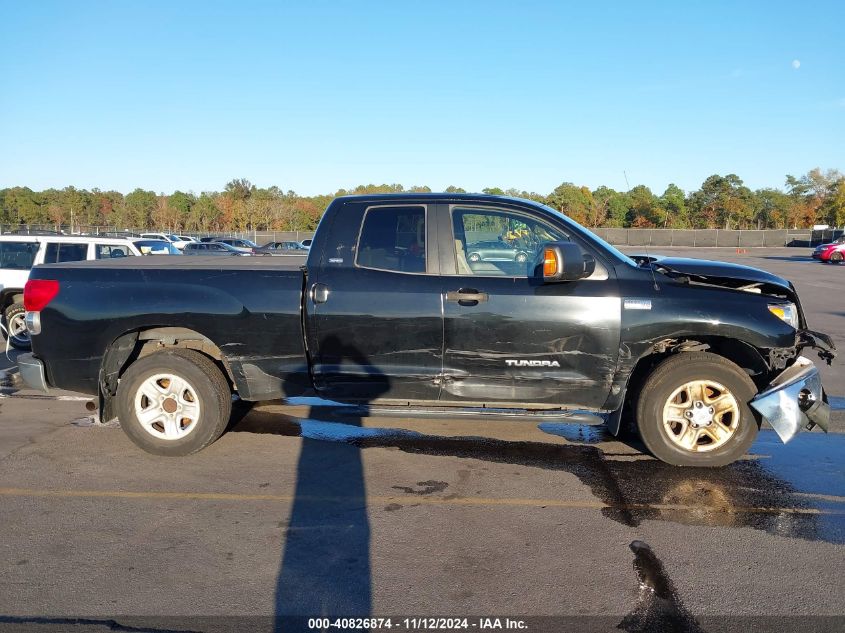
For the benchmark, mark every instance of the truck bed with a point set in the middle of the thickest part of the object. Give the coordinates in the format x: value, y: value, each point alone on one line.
x: 261, y: 262
x: 249, y: 307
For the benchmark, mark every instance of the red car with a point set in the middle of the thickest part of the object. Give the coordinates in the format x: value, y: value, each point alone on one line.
x: 833, y: 252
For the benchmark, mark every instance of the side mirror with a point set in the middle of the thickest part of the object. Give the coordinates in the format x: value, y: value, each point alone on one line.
x: 564, y: 261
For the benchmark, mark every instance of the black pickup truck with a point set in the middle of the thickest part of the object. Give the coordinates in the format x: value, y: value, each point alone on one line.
x: 397, y: 303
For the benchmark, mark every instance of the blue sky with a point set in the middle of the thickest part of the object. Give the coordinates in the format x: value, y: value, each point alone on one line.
x: 315, y: 96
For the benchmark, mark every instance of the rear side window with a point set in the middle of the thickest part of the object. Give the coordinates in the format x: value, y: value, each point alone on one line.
x: 17, y: 255
x: 112, y: 251
x: 393, y: 238
x: 57, y: 252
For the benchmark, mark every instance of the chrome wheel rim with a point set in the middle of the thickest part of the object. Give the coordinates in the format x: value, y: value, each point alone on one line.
x: 17, y: 329
x: 167, y: 406
x: 700, y: 416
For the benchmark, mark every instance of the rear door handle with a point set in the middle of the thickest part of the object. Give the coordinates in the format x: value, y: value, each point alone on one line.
x: 466, y: 296
x: 319, y: 293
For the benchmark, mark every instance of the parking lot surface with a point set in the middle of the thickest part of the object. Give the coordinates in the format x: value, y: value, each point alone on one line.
x: 309, y: 509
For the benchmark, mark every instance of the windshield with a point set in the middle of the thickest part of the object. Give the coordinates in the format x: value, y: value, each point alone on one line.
x: 590, y: 236
x: 156, y: 247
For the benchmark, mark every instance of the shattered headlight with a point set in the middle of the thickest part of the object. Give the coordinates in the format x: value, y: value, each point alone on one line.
x: 786, y: 312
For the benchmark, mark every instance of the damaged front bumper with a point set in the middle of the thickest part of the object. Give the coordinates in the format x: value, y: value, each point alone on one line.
x: 794, y: 400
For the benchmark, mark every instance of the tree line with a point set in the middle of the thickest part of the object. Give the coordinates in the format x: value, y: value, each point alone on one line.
x: 817, y: 197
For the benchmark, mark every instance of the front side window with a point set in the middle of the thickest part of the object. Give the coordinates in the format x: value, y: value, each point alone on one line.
x: 17, y: 255
x: 393, y: 238
x: 499, y: 243
x: 58, y: 252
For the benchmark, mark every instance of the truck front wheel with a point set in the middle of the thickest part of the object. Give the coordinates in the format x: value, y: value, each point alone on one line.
x: 173, y: 402
x: 693, y: 410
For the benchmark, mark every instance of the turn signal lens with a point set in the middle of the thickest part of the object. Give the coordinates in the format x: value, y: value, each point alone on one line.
x: 549, y: 263
x: 785, y: 312
x: 37, y: 293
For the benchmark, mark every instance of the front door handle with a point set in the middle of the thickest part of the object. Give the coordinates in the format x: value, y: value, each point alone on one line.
x: 319, y: 293
x: 466, y: 296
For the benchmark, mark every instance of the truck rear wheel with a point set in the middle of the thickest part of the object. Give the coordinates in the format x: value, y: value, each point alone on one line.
x: 14, y: 319
x: 693, y: 410
x: 174, y: 402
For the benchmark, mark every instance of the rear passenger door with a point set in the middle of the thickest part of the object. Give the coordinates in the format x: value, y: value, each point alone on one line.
x: 373, y: 307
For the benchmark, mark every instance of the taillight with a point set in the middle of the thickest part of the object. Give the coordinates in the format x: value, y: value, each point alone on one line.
x: 37, y: 293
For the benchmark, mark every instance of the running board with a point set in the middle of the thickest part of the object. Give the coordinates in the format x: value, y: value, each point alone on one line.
x: 590, y: 418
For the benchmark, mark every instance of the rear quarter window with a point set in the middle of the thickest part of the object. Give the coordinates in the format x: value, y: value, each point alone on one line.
x: 112, y: 251
x: 58, y: 252
x: 17, y: 255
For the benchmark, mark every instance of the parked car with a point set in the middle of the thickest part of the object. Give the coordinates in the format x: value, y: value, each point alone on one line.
x: 187, y: 238
x: 833, y: 253
x: 19, y: 252
x: 177, y: 241
x: 156, y: 247
x: 292, y: 248
x: 211, y: 248
x: 389, y: 310
x: 306, y: 242
x: 496, y: 251
x: 247, y: 246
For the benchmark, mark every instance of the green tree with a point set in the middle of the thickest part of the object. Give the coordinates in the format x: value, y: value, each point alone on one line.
x: 140, y: 206
x: 673, y: 203
x: 180, y: 205
x: 611, y: 205
x: 644, y: 208
x: 770, y: 208
x: 571, y: 200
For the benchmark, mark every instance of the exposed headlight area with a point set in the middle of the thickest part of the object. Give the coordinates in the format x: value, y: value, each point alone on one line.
x: 786, y: 312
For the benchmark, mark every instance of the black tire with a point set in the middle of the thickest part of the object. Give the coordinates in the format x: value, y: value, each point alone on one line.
x: 677, y: 371
x: 16, y: 311
x: 836, y: 258
x: 208, y: 383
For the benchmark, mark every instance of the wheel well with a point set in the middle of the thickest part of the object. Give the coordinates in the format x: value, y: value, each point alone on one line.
x: 9, y: 297
x: 131, y: 346
x: 738, y: 352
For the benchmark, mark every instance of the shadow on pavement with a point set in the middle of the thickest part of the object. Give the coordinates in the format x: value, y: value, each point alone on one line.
x: 325, y: 567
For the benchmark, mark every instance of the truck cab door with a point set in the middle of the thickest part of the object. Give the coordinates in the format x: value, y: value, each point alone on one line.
x: 374, y: 319
x: 509, y: 338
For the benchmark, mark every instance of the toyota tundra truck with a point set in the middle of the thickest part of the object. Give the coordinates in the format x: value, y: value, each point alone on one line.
x: 397, y: 304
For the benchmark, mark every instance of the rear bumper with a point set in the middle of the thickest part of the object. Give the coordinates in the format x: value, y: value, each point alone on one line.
x: 32, y: 372
x: 794, y: 400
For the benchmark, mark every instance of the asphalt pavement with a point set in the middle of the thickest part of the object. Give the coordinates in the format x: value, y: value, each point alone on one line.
x: 305, y: 509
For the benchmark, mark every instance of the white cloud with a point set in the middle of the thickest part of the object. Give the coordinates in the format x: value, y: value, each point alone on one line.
x: 796, y: 64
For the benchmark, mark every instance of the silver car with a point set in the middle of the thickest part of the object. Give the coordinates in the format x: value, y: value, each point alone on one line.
x: 496, y: 252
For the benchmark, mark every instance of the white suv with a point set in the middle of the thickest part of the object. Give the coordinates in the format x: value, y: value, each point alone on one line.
x: 178, y: 242
x: 19, y: 253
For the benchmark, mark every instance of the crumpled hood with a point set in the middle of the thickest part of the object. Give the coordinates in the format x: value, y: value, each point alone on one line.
x: 722, y: 270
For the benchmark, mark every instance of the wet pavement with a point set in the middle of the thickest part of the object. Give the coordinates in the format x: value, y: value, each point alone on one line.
x: 795, y: 490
